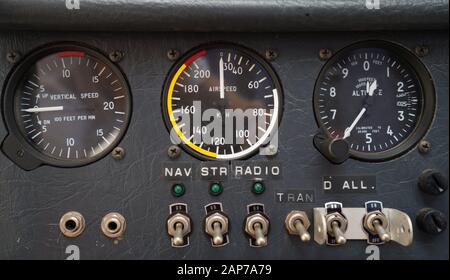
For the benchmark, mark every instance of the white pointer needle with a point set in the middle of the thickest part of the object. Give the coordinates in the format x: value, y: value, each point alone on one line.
x: 349, y: 129
x: 222, y: 86
x: 43, y: 109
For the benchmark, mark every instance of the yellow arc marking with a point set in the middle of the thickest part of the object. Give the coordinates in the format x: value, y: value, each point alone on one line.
x: 173, y: 122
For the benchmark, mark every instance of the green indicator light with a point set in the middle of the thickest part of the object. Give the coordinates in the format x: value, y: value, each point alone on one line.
x: 215, y: 188
x: 258, y: 187
x: 178, y: 190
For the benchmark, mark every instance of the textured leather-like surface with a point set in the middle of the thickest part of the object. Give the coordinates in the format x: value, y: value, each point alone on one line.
x: 31, y: 203
x: 224, y: 15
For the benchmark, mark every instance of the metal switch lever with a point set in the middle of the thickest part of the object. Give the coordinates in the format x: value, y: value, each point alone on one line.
x: 377, y: 223
x: 217, y: 237
x: 216, y: 226
x: 260, y: 239
x: 257, y: 227
x: 382, y: 233
x: 337, y: 233
x: 178, y: 234
x: 301, y: 231
x: 297, y: 223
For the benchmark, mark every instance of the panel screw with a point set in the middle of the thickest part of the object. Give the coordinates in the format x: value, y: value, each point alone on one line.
x: 421, y: 51
x: 173, y: 152
x: 272, y: 150
x: 271, y: 54
x: 118, y: 153
x: 325, y: 54
x: 173, y: 54
x: 116, y: 56
x: 13, y: 56
x: 20, y: 153
x: 424, y: 147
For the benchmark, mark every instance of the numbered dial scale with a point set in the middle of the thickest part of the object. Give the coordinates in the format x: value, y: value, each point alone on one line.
x: 222, y: 102
x: 377, y: 96
x: 67, y: 105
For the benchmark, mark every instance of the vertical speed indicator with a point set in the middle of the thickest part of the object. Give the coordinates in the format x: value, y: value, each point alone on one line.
x: 222, y: 102
x: 65, y: 105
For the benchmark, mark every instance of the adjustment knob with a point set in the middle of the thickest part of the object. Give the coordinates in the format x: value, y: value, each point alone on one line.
x: 431, y: 221
x: 335, y: 150
x: 433, y: 182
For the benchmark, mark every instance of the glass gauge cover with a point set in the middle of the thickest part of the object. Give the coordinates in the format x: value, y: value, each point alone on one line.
x: 377, y: 96
x: 67, y: 105
x: 222, y: 102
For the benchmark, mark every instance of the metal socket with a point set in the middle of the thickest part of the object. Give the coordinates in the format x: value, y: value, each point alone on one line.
x: 72, y: 224
x: 113, y: 225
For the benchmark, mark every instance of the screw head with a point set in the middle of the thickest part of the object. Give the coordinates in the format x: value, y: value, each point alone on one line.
x: 325, y: 54
x: 20, y: 153
x: 116, y: 56
x: 421, y: 51
x: 173, y: 152
x: 272, y: 150
x: 13, y: 56
x: 118, y: 153
x: 173, y: 54
x: 424, y: 147
x: 271, y: 54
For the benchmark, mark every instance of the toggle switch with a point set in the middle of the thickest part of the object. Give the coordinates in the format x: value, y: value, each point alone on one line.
x: 336, y: 227
x: 377, y: 224
x: 179, y: 225
x: 216, y: 226
x: 257, y: 225
x: 257, y: 230
x: 297, y: 223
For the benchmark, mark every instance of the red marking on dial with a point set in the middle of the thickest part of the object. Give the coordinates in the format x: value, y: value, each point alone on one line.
x: 194, y: 57
x: 71, y: 53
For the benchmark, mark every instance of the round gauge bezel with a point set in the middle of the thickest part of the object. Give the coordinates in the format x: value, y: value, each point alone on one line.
x: 428, y: 97
x: 16, y: 75
x: 253, y: 54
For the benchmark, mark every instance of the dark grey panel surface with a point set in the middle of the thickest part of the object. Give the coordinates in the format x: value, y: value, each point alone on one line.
x: 31, y: 203
x: 224, y: 15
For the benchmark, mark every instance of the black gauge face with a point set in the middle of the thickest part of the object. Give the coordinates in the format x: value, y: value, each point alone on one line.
x: 222, y: 102
x: 372, y: 95
x: 70, y: 104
